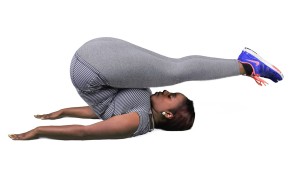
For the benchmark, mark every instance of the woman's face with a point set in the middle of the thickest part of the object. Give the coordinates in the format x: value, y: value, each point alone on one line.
x: 166, y: 101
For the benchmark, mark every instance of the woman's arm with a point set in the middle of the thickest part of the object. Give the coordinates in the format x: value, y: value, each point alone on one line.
x: 117, y: 127
x: 80, y: 112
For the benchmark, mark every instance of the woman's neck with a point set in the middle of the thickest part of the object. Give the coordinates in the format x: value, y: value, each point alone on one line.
x: 156, y: 117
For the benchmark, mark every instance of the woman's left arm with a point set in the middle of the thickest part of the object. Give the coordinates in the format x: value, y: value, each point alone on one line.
x: 117, y: 127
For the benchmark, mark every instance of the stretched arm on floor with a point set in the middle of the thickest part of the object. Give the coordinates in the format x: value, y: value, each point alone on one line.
x: 117, y: 127
x: 79, y: 112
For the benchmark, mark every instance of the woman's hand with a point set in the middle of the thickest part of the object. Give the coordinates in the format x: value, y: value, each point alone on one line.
x: 32, y: 134
x: 54, y: 115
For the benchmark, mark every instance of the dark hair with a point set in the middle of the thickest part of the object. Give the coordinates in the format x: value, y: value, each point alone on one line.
x: 183, y: 119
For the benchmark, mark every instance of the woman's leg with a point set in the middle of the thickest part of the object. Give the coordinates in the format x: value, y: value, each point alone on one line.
x: 91, y: 86
x: 125, y: 65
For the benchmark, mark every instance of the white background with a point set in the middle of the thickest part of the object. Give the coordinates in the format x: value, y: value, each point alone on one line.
x: 240, y: 128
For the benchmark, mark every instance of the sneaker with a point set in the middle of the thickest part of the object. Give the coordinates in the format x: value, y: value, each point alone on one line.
x: 260, y: 67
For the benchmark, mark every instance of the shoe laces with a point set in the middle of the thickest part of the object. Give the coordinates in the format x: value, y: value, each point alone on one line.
x: 258, y: 80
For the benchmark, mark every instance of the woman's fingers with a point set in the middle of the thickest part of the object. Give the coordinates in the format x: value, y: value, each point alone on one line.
x: 37, y: 116
x: 53, y: 115
x: 12, y: 136
x: 16, y: 136
x: 32, y: 134
x: 43, y: 116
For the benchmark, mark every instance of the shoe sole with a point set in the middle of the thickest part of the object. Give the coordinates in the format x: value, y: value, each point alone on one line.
x: 264, y: 61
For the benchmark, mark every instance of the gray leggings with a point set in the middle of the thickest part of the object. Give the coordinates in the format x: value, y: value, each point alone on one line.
x: 125, y: 65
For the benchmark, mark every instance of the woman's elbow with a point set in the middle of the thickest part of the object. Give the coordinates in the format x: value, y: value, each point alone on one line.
x: 80, y: 132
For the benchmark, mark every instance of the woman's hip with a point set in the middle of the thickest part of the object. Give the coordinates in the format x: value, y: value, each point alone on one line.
x: 84, y: 77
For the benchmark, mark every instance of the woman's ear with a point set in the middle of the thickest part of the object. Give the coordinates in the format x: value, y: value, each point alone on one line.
x: 167, y: 115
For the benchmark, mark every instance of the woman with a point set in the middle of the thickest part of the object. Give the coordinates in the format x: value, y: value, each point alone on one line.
x: 113, y: 77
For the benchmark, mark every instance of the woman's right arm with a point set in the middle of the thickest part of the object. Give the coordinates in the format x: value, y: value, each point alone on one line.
x: 117, y: 127
x: 80, y: 112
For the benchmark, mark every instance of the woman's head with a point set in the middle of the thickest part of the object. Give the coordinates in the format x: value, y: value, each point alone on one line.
x: 178, y: 111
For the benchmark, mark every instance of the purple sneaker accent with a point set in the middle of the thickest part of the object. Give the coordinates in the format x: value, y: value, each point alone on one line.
x: 261, y: 68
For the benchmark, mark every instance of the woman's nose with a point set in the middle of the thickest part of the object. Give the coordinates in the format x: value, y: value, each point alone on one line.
x: 166, y: 92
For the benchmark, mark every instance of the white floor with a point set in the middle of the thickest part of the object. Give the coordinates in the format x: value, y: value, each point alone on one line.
x: 240, y: 128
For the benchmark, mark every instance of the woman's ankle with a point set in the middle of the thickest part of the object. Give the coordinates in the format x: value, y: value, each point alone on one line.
x: 245, y: 69
x: 242, y: 69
